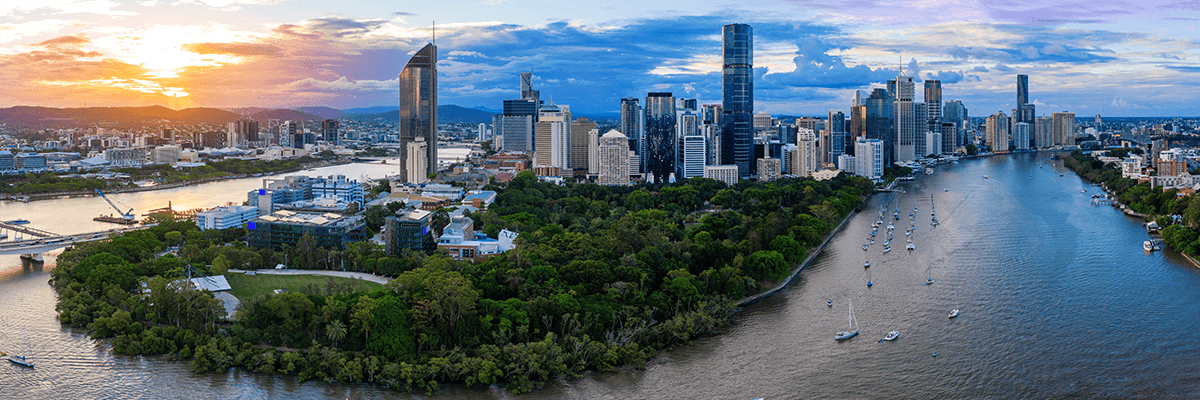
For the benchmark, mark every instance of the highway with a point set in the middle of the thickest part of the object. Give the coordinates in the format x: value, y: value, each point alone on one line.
x: 38, y: 245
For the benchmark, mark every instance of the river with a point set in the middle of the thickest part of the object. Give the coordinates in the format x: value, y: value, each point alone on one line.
x: 1057, y: 299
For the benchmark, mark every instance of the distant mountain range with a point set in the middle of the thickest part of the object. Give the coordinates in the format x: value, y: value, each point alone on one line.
x: 49, y: 117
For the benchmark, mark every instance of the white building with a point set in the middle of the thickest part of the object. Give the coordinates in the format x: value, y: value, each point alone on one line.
x: 339, y: 188
x: 723, y: 173
x: 417, y: 163
x: 691, y: 156
x: 845, y: 162
x: 933, y: 143
x: 614, y: 157
x: 869, y: 157
x: 804, y: 160
x: 553, y: 137
x: 762, y: 120
x: 1020, y: 136
x: 769, y: 169
x: 226, y: 217
x: 165, y: 155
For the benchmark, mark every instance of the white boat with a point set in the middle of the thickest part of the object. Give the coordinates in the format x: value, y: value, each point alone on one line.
x: 852, y: 330
x: 21, y: 359
x: 885, y: 242
x: 864, y: 247
x: 953, y: 313
x: 911, y: 247
x: 887, y: 249
x: 829, y: 302
x: 891, y: 336
x: 1149, y: 245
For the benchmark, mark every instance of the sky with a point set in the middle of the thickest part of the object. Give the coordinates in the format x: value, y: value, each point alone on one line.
x: 1115, y: 58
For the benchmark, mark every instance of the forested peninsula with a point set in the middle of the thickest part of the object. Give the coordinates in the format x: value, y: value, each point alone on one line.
x: 602, y: 277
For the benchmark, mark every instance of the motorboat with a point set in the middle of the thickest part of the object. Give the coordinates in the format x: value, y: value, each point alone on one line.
x: 887, y: 249
x: 829, y: 302
x: 953, y: 313
x: 869, y: 283
x: 985, y: 176
x: 885, y: 242
x: 864, y: 247
x: 928, y: 281
x: 911, y: 247
x: 867, y: 264
x: 891, y: 336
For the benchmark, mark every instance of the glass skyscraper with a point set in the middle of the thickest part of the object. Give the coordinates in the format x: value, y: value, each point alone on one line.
x: 418, y: 106
x: 658, y: 157
x: 737, y: 134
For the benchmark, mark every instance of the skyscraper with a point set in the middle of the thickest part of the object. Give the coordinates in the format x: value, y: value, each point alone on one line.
x: 737, y: 133
x: 997, y: 132
x: 1025, y: 112
x: 515, y: 124
x: 614, y: 159
x: 1064, y: 128
x: 903, y: 118
x: 631, y: 123
x: 1020, y: 135
x: 553, y: 137
x: 920, y: 128
x: 879, y: 123
x: 579, y: 143
x: 933, y: 101
x: 329, y: 132
x: 418, y: 107
x: 415, y: 162
x: 527, y: 92
x: 1043, y: 132
x: 658, y: 158
x: 836, y: 125
x: 954, y: 112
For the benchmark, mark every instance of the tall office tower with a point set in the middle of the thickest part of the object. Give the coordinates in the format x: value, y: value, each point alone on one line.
x: 167, y: 134
x: 415, y: 161
x: 579, y: 143
x: 955, y: 112
x: 787, y: 133
x: 949, y: 131
x: 737, y: 132
x: 1064, y: 128
x: 869, y: 157
x: 659, y: 154
x: 275, y: 133
x: 858, y: 122
x: 515, y: 125
x: 920, y: 128
x: 1043, y: 132
x: 1099, y: 124
x: 418, y: 106
x: 933, y: 99
x: 614, y: 159
x: 692, y: 156
x: 689, y: 105
x: 631, y: 123
x: 242, y: 132
x: 293, y: 131
x: 687, y: 123
x: 1156, y: 148
x: 906, y: 125
x: 997, y: 132
x: 712, y: 135
x: 879, y: 123
x: 857, y: 99
x: 836, y: 125
x: 710, y: 114
x: 553, y: 137
x: 805, y: 161
x: 527, y: 92
x: 1025, y: 111
x: 329, y: 132
x: 1020, y: 135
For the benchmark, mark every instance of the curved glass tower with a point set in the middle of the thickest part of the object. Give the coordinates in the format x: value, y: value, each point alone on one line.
x: 737, y: 132
x: 418, y: 108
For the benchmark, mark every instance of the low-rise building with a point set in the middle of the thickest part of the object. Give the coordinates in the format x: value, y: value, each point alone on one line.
x: 226, y: 217
x: 409, y: 230
x: 285, y: 228
x: 480, y: 198
x: 462, y: 242
x: 723, y: 173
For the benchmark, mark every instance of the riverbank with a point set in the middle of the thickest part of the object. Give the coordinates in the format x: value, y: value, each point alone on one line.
x: 799, y: 268
x: 90, y: 193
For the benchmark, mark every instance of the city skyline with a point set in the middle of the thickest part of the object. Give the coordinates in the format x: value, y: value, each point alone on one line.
x: 1103, y: 58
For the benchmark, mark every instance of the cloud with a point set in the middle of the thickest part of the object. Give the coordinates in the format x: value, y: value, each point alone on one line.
x: 1030, y: 52
x: 237, y: 49
x: 101, y: 7
x: 1119, y: 102
x: 343, y: 84
x: 946, y: 77
x: 228, y: 3
x: 69, y: 40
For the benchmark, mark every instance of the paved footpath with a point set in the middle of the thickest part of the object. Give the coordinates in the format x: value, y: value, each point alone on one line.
x: 343, y: 274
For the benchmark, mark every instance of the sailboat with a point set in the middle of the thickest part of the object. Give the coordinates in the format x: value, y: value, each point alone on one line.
x: 853, y: 330
x: 21, y: 360
x: 929, y: 278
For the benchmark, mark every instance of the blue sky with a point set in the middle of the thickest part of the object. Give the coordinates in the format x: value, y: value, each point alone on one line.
x: 1096, y: 57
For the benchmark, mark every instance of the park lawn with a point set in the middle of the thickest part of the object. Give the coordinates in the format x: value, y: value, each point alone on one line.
x: 246, y: 287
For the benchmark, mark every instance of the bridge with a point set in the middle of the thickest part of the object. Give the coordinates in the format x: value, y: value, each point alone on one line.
x: 43, y: 241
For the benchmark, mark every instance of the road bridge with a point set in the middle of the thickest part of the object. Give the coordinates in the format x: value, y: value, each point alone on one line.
x: 39, y: 244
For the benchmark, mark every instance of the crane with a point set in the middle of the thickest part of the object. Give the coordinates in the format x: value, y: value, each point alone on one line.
x: 128, y: 216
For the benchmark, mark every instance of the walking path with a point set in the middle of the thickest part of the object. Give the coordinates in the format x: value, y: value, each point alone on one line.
x: 344, y: 274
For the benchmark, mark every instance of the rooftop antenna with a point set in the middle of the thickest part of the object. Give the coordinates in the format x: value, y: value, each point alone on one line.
x: 901, y: 65
x: 434, y: 33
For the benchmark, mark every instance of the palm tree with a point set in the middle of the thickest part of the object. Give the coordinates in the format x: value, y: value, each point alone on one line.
x: 336, y: 331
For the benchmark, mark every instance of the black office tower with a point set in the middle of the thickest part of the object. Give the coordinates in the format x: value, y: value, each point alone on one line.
x: 737, y: 134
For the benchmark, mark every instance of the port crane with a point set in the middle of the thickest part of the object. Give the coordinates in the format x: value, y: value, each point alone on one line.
x: 128, y: 216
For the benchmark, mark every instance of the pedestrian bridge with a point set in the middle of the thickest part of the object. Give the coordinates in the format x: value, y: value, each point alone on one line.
x: 39, y: 241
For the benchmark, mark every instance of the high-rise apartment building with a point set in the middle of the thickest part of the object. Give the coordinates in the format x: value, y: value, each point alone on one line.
x: 903, y: 117
x: 329, y: 132
x: 692, y: 151
x: 631, y: 123
x: 241, y: 133
x: 954, y: 111
x: 839, y: 133
x: 805, y: 160
x: 762, y: 121
x: 614, y: 159
x: 737, y: 137
x: 579, y: 143
x: 418, y: 106
x: 658, y: 158
x: 1043, y: 132
x: 1020, y: 135
x: 920, y: 129
x: 997, y: 132
x: 553, y: 137
x: 869, y: 157
x: 1064, y: 128
x: 415, y: 162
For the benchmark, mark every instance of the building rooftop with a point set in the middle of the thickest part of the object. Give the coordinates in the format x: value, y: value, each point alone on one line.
x: 308, y: 218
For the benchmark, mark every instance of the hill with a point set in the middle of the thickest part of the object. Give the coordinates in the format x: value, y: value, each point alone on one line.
x: 284, y: 115
x: 447, y: 114
x: 50, y: 117
x: 322, y: 111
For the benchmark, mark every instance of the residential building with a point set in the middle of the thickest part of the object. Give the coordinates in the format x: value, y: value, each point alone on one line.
x: 769, y: 169
x: 869, y: 157
x: 846, y: 162
x: 692, y: 157
x: 1064, y: 128
x: 1043, y: 132
x: 805, y: 160
x: 1020, y: 136
x: 329, y: 132
x: 904, y: 119
x: 933, y: 143
x: 418, y: 106
x: 415, y: 162
x: 7, y: 160
x: 762, y: 121
x: 461, y: 242
x: 933, y: 112
x: 997, y: 132
x: 614, y: 154
x: 580, y: 128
